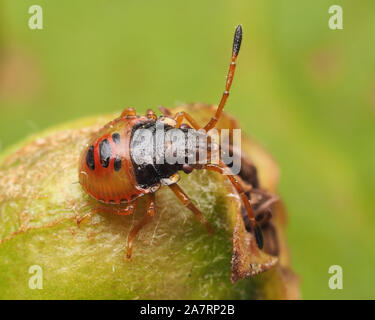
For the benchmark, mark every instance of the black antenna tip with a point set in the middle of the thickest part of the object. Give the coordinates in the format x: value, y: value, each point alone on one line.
x: 237, y: 40
x: 258, y: 236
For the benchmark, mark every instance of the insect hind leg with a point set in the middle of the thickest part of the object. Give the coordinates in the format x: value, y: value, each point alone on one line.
x: 146, y: 219
x: 121, y: 210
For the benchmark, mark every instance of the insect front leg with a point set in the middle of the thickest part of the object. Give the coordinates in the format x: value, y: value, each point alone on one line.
x: 223, y: 169
x: 184, y: 198
x: 165, y: 111
x: 180, y: 116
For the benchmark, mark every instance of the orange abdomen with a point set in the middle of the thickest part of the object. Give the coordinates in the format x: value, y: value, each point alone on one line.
x: 106, y: 170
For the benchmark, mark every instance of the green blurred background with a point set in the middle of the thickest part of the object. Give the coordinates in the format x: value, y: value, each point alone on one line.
x: 307, y: 93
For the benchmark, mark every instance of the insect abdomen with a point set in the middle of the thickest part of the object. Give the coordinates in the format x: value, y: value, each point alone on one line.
x: 106, y: 170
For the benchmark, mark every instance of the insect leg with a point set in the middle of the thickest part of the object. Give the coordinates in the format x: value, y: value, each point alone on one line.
x: 129, y: 113
x: 184, y: 198
x: 165, y: 111
x: 121, y: 211
x: 85, y: 217
x: 223, y: 169
x: 263, y: 213
x: 110, y: 209
x: 179, y: 117
x: 151, y: 114
x: 232, y: 67
x: 147, y: 217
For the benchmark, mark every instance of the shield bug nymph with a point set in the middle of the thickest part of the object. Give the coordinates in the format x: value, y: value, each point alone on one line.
x: 109, y: 174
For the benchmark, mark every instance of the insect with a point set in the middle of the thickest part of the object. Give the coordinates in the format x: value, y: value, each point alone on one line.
x: 109, y: 174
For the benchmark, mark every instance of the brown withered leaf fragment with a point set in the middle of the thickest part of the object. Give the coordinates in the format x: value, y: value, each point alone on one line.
x: 248, y: 259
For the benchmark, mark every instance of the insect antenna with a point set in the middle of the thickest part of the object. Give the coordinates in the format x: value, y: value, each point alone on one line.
x: 232, y: 67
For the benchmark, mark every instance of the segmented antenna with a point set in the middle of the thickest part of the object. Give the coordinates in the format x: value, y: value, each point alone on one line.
x: 232, y: 67
x: 237, y: 40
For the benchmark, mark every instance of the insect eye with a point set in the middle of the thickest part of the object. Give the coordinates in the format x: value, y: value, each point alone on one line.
x: 105, y: 152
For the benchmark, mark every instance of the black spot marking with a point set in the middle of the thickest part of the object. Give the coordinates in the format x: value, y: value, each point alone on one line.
x: 117, y: 164
x: 90, y: 158
x: 105, y: 153
x: 116, y: 138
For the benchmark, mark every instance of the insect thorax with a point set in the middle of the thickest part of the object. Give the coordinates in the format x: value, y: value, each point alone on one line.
x: 149, y: 150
